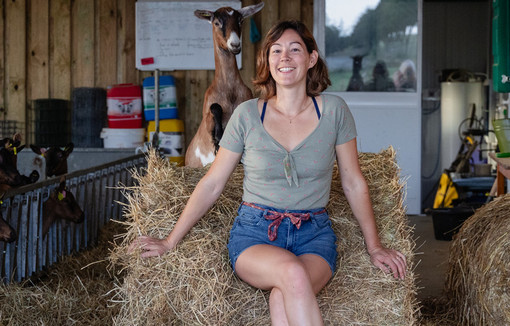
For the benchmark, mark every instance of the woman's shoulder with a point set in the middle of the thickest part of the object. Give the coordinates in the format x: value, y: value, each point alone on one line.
x: 246, y: 107
x: 246, y: 111
x: 333, y: 100
x: 248, y: 104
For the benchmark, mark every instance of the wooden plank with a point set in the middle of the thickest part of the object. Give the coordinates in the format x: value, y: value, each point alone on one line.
x: 197, y: 84
x: 83, y: 63
x: 290, y: 9
x: 249, y: 50
x: 502, y: 173
x: 38, y: 50
x: 60, y: 49
x: 126, y: 70
x: 269, y: 15
x: 15, y: 64
x: 307, y: 13
x: 106, y: 74
x: 500, y: 181
x: 2, y: 63
x: 180, y: 89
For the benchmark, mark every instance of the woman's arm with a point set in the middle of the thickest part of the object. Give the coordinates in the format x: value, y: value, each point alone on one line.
x: 203, y: 197
x: 356, y: 191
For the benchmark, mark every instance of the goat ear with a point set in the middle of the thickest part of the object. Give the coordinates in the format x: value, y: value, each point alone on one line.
x: 205, y: 14
x: 36, y: 149
x: 251, y: 10
x: 16, y: 137
x: 69, y: 148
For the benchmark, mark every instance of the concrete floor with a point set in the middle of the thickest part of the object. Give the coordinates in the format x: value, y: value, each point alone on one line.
x: 431, y: 257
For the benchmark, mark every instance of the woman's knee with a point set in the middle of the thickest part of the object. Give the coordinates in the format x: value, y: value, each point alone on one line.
x: 293, y: 275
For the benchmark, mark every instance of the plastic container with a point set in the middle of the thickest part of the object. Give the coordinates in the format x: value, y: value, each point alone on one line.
x: 171, y: 138
x: 502, y: 131
x: 88, y: 116
x: 124, y: 102
x: 123, y: 137
x: 448, y: 221
x: 52, y: 120
x: 167, y: 98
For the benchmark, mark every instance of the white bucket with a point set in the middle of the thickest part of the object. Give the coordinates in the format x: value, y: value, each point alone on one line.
x: 123, y: 138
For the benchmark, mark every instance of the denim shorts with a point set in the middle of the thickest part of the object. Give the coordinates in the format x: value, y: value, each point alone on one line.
x: 315, y: 236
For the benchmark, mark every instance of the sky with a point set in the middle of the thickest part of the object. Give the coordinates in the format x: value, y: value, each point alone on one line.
x: 347, y: 11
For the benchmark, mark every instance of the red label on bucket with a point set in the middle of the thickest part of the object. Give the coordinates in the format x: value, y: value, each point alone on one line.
x: 124, y: 102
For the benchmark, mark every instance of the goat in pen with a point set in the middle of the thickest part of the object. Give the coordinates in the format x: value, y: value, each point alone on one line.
x: 227, y: 90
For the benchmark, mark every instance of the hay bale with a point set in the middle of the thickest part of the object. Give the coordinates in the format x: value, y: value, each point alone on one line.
x: 74, y: 291
x: 194, y: 284
x: 477, y: 280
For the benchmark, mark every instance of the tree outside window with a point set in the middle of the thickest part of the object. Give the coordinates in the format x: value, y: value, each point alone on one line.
x: 371, y: 46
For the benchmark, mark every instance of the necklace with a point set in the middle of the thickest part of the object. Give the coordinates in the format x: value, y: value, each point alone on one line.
x: 295, y: 115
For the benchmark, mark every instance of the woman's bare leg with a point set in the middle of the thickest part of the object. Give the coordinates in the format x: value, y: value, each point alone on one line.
x: 295, y: 281
x: 277, y: 308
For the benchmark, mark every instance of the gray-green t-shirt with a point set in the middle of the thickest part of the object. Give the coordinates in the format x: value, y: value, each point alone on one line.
x: 299, y: 179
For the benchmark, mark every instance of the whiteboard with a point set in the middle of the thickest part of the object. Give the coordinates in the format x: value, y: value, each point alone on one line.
x: 170, y: 37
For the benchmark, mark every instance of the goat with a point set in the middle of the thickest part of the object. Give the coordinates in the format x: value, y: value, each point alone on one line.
x: 356, y: 81
x: 227, y: 90
x: 14, y: 146
x: 55, y: 158
x: 61, y: 205
x: 9, y: 174
x: 405, y: 77
x: 7, y: 233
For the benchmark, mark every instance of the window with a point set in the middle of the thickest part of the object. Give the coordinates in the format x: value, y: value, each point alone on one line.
x: 371, y: 45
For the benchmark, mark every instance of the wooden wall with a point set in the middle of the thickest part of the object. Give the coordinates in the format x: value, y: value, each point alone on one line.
x: 49, y: 47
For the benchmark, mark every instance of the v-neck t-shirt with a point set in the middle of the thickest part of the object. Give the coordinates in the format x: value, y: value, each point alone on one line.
x: 296, y: 179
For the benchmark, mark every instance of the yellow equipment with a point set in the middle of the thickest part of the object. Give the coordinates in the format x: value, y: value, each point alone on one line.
x: 446, y: 191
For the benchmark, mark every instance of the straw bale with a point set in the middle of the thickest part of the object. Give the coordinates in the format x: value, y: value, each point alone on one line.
x: 436, y: 311
x: 478, y: 276
x: 74, y: 291
x: 195, y: 285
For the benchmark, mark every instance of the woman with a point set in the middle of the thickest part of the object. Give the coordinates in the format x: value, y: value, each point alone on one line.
x: 288, y: 141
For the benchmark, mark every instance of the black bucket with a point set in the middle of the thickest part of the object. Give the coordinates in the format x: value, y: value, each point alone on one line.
x: 448, y: 221
x: 89, y: 116
x: 52, y: 122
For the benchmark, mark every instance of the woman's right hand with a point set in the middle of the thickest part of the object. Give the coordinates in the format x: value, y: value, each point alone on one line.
x: 150, y: 247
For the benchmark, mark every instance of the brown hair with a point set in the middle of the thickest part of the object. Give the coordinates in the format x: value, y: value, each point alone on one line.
x: 317, y: 79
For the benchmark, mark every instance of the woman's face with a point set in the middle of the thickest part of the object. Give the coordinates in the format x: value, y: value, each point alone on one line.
x: 289, y: 60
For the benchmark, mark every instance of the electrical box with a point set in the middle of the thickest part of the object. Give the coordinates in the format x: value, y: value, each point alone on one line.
x: 501, y: 46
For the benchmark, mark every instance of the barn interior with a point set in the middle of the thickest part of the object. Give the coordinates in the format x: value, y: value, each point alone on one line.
x: 72, y: 71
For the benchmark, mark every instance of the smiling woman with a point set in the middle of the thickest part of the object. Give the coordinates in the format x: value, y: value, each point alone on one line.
x: 282, y: 238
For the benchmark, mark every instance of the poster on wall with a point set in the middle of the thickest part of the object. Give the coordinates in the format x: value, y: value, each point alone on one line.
x: 170, y: 37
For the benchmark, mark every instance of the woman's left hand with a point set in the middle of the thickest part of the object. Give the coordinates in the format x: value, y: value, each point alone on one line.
x: 389, y: 261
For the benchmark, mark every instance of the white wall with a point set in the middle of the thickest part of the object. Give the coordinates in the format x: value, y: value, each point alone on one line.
x: 392, y: 119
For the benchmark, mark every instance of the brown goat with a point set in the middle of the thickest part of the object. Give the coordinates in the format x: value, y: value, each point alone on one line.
x: 7, y: 233
x: 55, y: 157
x: 227, y: 90
x: 9, y: 174
x: 61, y: 205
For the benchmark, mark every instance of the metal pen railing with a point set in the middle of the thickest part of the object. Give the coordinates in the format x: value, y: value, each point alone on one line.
x: 98, y: 191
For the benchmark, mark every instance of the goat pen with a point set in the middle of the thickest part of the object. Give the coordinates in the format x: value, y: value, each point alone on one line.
x: 96, y: 190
